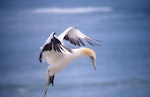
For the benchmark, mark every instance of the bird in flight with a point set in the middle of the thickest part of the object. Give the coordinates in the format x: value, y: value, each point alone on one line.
x: 58, y: 55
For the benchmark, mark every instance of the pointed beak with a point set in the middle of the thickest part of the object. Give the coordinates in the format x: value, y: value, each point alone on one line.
x: 93, y: 60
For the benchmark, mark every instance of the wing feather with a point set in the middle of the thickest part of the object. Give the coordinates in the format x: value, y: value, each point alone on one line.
x: 75, y: 36
x: 53, y: 43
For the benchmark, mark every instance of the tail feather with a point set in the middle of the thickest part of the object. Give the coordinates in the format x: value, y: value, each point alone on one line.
x: 51, y: 81
x: 46, y: 88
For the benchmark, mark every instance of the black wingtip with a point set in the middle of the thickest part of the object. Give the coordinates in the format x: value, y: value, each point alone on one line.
x: 93, y: 42
x: 40, y: 57
x: 75, y: 27
x: 54, y: 33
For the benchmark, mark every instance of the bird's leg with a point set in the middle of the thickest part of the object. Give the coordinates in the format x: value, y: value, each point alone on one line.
x: 51, y: 80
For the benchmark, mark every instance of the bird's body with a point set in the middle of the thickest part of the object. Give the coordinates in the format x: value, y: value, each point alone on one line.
x: 57, y: 55
x: 58, y: 61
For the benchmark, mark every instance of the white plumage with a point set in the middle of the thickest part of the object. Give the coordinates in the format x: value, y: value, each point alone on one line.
x: 57, y: 55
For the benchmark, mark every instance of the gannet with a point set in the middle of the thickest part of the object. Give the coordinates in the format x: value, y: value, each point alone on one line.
x: 58, y: 55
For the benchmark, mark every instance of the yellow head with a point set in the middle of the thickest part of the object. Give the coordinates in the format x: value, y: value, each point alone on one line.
x: 91, y: 54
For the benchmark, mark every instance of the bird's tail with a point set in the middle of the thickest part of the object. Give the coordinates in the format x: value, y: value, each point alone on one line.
x: 46, y: 88
x: 51, y: 81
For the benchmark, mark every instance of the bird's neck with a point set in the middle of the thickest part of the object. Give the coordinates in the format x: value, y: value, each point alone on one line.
x: 80, y: 52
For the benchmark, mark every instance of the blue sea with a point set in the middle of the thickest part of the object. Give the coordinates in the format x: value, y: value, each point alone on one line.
x: 123, y: 59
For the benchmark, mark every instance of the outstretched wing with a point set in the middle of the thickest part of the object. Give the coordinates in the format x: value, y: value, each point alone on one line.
x: 53, y: 44
x: 75, y: 37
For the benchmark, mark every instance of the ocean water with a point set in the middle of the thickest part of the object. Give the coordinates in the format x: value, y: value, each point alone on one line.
x: 123, y: 59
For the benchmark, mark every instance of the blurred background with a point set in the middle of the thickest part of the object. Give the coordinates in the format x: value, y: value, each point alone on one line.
x: 123, y: 59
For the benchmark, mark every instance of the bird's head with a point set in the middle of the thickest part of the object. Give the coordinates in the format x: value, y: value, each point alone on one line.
x: 91, y: 54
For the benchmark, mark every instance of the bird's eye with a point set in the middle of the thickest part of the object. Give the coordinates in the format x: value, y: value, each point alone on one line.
x: 91, y: 57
